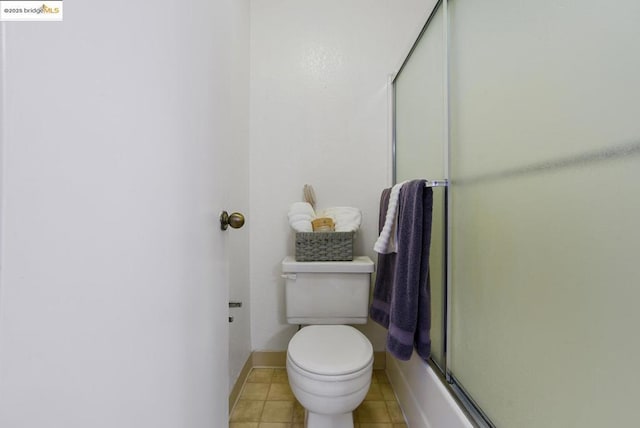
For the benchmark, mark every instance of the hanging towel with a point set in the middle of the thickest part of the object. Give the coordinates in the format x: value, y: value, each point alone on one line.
x: 379, y: 311
x: 386, y: 242
x: 401, y: 300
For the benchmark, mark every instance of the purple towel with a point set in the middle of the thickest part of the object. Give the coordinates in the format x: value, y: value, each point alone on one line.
x: 401, y: 297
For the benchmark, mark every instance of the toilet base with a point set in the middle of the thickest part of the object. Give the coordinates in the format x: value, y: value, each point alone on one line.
x: 316, y: 420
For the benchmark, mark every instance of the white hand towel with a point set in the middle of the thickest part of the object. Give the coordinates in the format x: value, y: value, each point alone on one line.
x: 346, y: 219
x: 386, y: 242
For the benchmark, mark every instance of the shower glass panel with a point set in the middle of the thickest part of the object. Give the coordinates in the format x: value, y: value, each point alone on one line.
x: 545, y: 170
x: 419, y: 151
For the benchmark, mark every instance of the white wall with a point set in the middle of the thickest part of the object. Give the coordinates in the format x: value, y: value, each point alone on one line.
x: 319, y: 115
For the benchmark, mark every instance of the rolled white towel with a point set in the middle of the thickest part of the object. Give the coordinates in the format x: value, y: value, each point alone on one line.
x: 300, y: 216
x: 302, y: 208
x: 302, y: 226
x: 386, y: 242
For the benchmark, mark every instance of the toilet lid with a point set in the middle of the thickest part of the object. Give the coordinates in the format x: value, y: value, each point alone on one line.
x: 330, y: 349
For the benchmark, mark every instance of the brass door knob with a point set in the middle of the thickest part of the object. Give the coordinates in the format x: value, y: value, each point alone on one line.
x: 235, y: 220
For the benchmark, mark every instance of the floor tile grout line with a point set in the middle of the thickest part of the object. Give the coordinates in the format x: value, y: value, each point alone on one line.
x: 379, y: 378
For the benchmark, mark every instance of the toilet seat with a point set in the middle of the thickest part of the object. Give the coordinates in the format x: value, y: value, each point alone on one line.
x: 330, y: 350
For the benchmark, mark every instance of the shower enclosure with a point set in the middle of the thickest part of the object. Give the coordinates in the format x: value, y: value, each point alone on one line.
x: 531, y: 111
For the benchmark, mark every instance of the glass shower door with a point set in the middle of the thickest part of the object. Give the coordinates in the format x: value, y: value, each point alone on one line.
x: 545, y: 146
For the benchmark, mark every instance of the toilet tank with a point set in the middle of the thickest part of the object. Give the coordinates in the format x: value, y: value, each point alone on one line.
x: 327, y: 292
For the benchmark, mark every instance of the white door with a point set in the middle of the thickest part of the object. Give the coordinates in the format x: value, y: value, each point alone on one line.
x: 113, y: 293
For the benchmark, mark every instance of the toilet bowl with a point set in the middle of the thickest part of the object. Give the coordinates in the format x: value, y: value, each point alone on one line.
x: 329, y: 369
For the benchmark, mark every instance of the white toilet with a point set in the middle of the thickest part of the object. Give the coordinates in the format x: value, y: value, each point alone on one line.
x: 329, y: 363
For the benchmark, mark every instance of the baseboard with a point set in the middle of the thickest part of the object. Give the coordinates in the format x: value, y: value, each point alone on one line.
x: 237, y: 386
x: 269, y: 358
x: 379, y: 360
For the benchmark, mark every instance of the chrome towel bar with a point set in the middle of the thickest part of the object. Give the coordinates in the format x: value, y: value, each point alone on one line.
x: 437, y: 183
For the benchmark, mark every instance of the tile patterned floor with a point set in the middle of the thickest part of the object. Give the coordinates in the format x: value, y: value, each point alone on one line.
x: 266, y: 401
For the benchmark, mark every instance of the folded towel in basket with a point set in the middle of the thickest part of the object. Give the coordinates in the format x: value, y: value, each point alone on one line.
x: 347, y: 219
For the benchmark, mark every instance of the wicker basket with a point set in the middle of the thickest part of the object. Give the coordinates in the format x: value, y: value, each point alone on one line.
x: 324, y: 246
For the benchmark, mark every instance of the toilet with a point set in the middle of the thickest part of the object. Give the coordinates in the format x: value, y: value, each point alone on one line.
x: 329, y: 363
